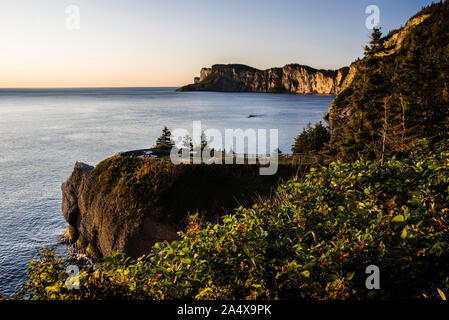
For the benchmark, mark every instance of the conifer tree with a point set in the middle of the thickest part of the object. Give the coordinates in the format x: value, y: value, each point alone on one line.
x: 312, y: 139
x: 165, y: 141
x: 375, y: 44
x: 187, y: 142
x: 204, y: 142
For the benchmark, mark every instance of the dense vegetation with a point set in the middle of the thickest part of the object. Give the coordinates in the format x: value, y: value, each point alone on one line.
x: 397, y: 96
x: 312, y: 139
x: 141, y: 184
x: 313, y: 240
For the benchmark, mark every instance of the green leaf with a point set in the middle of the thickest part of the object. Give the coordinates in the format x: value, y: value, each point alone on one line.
x: 398, y: 219
x: 442, y: 295
x: 404, y: 233
x: 350, y: 276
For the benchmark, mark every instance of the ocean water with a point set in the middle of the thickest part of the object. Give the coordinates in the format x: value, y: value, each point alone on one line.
x: 44, y: 132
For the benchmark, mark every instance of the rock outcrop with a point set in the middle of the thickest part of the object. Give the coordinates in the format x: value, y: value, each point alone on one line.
x: 127, y: 204
x: 97, y: 220
x: 292, y: 79
x: 394, y: 40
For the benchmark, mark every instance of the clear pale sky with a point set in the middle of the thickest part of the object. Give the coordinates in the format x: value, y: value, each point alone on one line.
x: 166, y: 42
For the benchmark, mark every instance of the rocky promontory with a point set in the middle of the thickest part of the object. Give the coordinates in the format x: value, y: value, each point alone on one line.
x: 292, y: 79
x: 127, y: 204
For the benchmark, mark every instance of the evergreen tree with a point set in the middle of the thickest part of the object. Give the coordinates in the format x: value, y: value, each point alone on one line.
x: 165, y: 141
x: 312, y: 139
x: 399, y: 94
x: 376, y: 42
x: 204, y: 142
x: 187, y: 142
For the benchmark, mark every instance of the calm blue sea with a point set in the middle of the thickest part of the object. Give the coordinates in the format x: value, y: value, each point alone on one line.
x: 44, y: 132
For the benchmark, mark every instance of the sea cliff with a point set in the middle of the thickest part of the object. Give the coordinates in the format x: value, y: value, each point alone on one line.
x: 292, y: 79
x: 128, y: 204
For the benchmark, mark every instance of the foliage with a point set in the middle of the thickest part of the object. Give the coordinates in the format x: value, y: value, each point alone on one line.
x: 312, y: 139
x: 397, y: 97
x: 136, y: 182
x: 376, y: 43
x: 313, y: 240
x: 188, y: 143
x: 165, y: 140
x: 142, y: 184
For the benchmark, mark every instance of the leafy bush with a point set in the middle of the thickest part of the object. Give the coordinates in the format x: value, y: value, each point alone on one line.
x: 313, y: 240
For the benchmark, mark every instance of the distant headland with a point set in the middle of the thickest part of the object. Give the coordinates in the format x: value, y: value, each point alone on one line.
x: 292, y: 79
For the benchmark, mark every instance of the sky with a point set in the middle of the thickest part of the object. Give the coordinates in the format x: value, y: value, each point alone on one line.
x: 148, y: 43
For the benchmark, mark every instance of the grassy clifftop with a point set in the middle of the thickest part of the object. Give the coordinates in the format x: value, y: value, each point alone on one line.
x: 144, y: 183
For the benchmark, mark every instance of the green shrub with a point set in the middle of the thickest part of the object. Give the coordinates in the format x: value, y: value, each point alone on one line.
x: 313, y: 240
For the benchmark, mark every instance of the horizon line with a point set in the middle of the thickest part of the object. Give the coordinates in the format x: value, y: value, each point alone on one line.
x: 87, y: 87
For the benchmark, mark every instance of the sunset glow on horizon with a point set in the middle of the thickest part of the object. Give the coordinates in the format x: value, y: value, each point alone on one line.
x: 165, y: 43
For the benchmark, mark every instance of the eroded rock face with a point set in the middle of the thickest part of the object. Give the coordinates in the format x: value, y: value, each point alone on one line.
x: 204, y: 73
x: 127, y: 204
x: 394, y: 42
x: 98, y: 220
x: 293, y: 79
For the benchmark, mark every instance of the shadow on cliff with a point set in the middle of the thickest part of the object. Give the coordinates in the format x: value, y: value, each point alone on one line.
x: 127, y: 204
